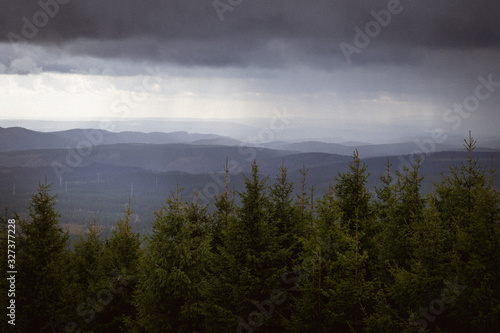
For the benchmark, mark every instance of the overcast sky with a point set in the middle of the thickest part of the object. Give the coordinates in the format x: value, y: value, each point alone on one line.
x: 393, y: 65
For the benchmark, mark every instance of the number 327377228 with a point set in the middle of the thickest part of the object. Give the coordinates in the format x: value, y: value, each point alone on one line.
x: 11, y: 244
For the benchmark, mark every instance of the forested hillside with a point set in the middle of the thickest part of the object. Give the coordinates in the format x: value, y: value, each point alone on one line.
x: 268, y: 260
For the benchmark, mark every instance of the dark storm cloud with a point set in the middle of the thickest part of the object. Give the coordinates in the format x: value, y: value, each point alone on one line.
x: 254, y: 32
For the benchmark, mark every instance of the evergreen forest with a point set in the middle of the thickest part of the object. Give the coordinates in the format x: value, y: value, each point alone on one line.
x: 268, y: 260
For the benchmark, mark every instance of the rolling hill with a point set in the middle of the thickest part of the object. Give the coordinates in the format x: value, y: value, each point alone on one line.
x: 17, y: 138
x: 100, y: 179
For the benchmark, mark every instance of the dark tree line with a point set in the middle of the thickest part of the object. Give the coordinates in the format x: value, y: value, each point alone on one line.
x: 351, y: 261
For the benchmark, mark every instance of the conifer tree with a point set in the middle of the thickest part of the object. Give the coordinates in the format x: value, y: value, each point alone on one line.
x: 294, y: 223
x: 422, y: 278
x: 469, y: 205
x: 386, y: 194
x: 87, y: 277
x: 399, y: 207
x: 119, y: 265
x: 334, y: 292
x: 409, y: 185
x: 391, y: 238
x: 171, y: 277
x: 452, y: 280
x: 247, y: 267
x: 304, y: 204
x: 224, y: 211
x: 283, y: 214
x: 43, y: 290
x: 353, y: 199
x: 356, y: 208
x: 86, y: 260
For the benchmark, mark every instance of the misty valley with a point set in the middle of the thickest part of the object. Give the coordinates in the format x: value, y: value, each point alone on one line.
x: 97, y: 181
